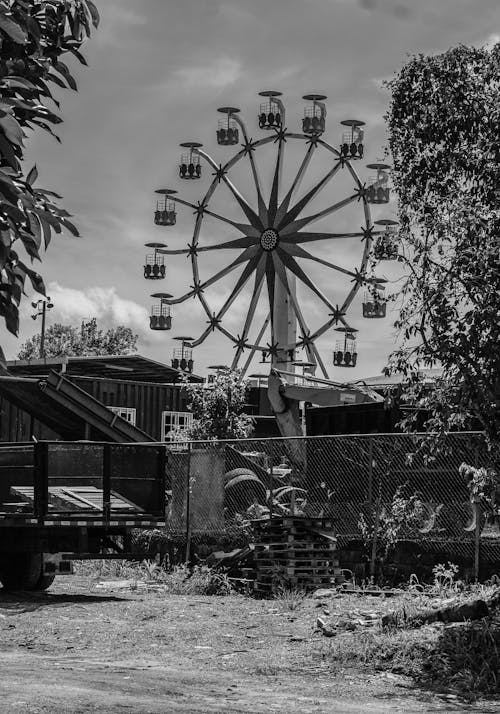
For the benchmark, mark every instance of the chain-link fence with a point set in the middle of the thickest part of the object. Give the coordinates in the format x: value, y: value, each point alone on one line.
x: 373, y: 487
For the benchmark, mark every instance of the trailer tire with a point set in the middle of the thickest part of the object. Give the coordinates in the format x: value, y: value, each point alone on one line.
x: 22, y: 571
x: 44, y: 582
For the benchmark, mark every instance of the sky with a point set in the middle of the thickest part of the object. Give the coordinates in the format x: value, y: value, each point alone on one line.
x: 157, y: 73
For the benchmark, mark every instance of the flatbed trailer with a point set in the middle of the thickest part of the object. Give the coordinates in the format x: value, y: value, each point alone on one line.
x: 62, y: 501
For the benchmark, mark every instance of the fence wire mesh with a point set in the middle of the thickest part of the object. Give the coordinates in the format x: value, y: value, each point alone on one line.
x: 217, y: 488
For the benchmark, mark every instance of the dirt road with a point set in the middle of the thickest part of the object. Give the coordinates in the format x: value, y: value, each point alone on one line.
x: 77, y: 650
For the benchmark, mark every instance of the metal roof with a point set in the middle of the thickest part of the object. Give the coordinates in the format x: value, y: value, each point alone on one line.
x: 380, y: 381
x: 130, y: 367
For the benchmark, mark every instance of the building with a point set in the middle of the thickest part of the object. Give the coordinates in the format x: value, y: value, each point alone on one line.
x: 145, y: 393
x: 364, y: 418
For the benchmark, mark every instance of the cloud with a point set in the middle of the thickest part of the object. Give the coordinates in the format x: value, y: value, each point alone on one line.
x: 492, y: 41
x: 103, y: 303
x: 217, y: 74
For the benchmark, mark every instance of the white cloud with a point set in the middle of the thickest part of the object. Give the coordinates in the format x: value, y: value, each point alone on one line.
x: 103, y: 303
x: 492, y: 41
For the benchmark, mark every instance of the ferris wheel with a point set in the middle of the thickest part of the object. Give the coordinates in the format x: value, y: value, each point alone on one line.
x: 272, y: 247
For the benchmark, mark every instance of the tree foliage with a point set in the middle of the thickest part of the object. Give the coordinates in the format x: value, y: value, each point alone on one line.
x: 219, y: 408
x: 443, y: 123
x: 34, y: 36
x: 71, y: 341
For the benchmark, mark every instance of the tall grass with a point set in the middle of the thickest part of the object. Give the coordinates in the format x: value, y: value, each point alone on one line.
x: 178, y: 580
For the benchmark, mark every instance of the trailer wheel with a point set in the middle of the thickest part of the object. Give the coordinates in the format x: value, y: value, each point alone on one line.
x: 23, y: 571
x: 44, y: 582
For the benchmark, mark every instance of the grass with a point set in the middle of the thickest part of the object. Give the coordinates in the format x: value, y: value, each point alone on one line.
x: 178, y: 580
x: 463, y: 658
x: 289, y: 598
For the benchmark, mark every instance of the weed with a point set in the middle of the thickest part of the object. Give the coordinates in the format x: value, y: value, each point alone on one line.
x: 444, y: 579
x: 290, y: 598
x: 179, y: 580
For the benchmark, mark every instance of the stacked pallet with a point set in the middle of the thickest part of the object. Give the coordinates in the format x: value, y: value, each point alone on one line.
x: 295, y: 552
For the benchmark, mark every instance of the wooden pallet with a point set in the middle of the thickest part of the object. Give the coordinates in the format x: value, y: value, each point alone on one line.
x: 295, y: 552
x: 278, y: 549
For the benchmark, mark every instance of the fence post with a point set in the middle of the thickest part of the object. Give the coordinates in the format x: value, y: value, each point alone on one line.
x: 271, y: 489
x: 188, y: 506
x: 373, y: 558
x: 370, y: 470
x: 477, y: 539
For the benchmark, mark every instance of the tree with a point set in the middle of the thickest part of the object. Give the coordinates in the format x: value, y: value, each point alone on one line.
x: 218, y: 408
x: 444, y: 137
x: 34, y: 36
x: 71, y: 341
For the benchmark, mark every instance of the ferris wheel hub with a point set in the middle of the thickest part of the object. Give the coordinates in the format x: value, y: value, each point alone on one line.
x: 269, y: 239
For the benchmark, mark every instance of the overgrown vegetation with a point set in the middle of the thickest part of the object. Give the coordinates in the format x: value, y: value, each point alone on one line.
x: 180, y: 579
x: 385, y: 526
x: 443, y: 134
x: 218, y: 409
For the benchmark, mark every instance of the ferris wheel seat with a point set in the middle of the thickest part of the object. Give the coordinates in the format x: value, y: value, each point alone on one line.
x: 227, y: 137
x: 374, y: 309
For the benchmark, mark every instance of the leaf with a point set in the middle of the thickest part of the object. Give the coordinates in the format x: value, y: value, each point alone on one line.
x: 32, y: 176
x: 36, y: 231
x: 45, y: 192
x: 12, y: 129
x: 71, y: 227
x: 62, y: 69
x: 93, y: 13
x: 13, y: 82
x: 12, y: 29
x: 78, y: 55
x: 7, y: 152
x: 33, y: 28
x: 11, y: 316
x: 57, y: 80
x: 35, y: 278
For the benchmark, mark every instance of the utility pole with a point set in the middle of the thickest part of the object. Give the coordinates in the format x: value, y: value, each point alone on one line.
x: 41, y: 307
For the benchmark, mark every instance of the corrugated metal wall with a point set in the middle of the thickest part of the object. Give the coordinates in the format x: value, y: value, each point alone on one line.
x: 149, y: 401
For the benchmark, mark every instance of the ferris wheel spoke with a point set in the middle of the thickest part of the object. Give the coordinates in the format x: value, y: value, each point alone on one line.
x: 255, y: 346
x: 275, y: 188
x: 270, y: 278
x: 245, y: 242
x: 259, y: 277
x: 221, y: 175
x: 201, y: 338
x: 292, y: 214
x: 248, y: 254
x: 299, y: 252
x: 246, y: 228
x: 260, y: 201
x: 295, y: 226
x: 295, y: 185
x: 245, y: 207
x: 311, y: 350
x: 240, y: 284
x: 295, y: 268
x: 311, y: 236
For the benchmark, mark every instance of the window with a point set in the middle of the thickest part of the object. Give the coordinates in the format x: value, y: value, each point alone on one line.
x: 125, y: 413
x: 172, y: 422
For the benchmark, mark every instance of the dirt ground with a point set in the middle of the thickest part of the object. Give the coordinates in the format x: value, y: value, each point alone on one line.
x: 79, y: 648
